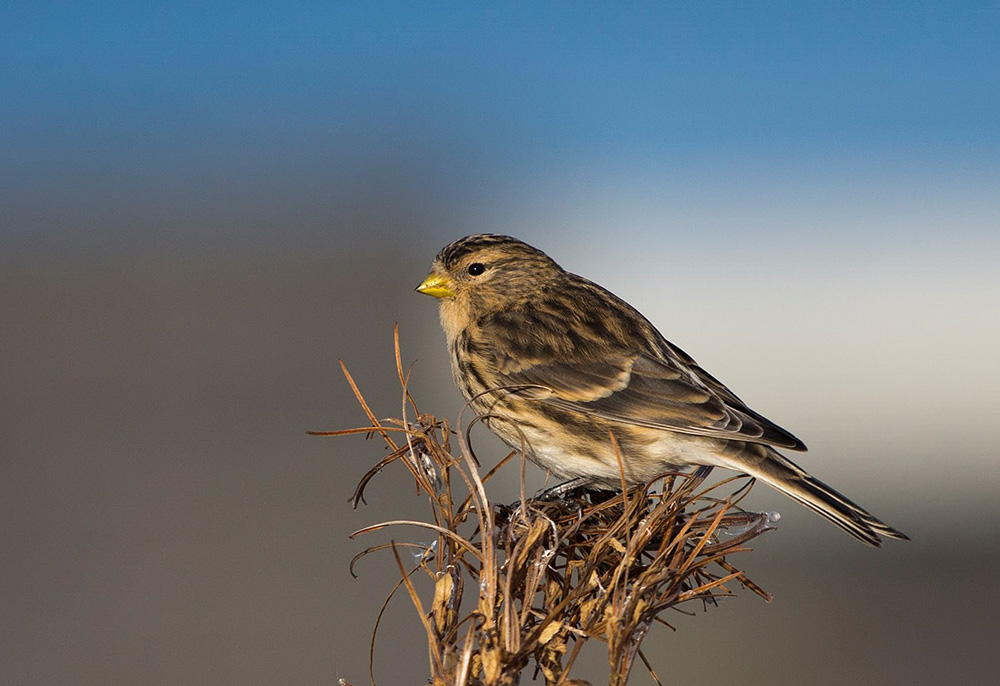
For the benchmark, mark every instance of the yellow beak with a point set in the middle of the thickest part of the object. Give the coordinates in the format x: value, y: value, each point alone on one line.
x: 436, y: 286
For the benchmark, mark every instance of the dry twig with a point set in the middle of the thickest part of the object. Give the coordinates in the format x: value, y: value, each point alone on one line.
x: 550, y: 574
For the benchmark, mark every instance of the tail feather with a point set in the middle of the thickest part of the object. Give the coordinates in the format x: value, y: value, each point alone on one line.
x: 769, y: 466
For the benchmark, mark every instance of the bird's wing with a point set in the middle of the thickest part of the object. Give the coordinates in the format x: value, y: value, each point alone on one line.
x: 670, y: 393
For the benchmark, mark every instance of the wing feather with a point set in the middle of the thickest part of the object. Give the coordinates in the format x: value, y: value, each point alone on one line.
x: 644, y: 391
x: 598, y: 356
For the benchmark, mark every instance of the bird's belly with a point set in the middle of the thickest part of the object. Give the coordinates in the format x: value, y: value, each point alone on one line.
x: 645, y: 455
x: 568, y: 464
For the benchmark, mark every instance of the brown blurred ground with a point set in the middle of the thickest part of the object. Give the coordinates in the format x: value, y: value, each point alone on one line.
x: 165, y: 519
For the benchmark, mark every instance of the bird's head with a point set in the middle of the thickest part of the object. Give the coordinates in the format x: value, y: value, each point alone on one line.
x: 488, y: 270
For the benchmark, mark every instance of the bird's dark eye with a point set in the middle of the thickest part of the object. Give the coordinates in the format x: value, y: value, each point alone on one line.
x: 476, y: 268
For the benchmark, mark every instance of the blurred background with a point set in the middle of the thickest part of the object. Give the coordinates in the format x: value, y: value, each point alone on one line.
x: 204, y: 205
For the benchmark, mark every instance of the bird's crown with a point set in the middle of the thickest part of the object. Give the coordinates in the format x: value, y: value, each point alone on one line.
x: 453, y: 252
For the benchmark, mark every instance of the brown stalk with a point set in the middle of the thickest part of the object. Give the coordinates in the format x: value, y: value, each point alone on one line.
x: 548, y: 574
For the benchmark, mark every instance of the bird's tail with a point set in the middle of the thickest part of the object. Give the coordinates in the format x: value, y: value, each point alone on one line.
x: 773, y: 468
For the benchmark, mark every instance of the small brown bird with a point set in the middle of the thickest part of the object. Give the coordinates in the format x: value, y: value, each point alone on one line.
x: 556, y: 363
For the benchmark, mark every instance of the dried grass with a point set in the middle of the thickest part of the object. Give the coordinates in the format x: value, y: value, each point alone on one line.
x: 545, y: 575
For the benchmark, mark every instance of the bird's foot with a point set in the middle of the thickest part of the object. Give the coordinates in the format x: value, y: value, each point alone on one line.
x: 559, y: 491
x: 577, y: 487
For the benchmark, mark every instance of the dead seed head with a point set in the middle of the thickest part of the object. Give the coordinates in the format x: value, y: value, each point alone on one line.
x: 546, y: 575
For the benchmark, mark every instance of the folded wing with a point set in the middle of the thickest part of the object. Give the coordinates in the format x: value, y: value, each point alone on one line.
x: 669, y: 392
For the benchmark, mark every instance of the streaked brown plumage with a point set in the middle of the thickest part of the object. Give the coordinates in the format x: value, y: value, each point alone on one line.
x: 556, y: 362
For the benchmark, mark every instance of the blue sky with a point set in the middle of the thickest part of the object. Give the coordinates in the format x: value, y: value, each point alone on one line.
x: 116, y: 104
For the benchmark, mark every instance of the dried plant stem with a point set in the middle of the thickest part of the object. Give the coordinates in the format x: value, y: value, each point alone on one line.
x: 550, y: 573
